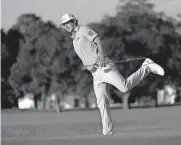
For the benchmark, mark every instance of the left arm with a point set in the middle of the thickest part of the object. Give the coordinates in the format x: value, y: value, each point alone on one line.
x: 100, y: 44
x: 94, y: 37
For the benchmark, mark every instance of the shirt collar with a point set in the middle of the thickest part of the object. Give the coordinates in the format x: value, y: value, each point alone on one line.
x: 75, y: 31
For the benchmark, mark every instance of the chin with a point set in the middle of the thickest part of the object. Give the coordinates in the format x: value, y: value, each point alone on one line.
x: 70, y: 31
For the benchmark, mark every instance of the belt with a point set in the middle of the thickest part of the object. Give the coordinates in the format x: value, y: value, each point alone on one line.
x: 94, y: 68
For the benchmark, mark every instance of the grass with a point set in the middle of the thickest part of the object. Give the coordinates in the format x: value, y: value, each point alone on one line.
x: 150, y: 126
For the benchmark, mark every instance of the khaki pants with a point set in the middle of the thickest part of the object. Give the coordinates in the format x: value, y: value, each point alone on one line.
x: 110, y: 75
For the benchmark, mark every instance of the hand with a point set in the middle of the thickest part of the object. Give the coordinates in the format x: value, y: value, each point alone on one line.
x: 102, y: 64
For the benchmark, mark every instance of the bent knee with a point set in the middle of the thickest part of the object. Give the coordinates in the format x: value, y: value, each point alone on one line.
x: 124, y: 89
x: 103, y: 102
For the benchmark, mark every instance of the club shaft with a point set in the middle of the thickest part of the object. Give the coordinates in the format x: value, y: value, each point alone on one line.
x: 121, y: 61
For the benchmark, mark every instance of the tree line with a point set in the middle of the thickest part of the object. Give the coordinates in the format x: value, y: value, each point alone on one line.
x: 38, y: 57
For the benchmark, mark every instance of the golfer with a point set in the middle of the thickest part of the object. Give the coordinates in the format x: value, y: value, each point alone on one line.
x: 88, y: 45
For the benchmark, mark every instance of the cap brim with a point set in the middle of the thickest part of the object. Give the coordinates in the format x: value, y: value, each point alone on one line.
x: 65, y: 21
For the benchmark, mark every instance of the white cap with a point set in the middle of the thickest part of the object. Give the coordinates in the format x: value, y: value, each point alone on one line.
x: 67, y: 17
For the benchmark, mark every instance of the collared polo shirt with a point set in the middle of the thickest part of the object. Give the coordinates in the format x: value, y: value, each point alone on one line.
x: 84, y: 45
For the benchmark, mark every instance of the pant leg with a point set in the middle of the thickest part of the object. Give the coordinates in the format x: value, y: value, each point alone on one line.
x: 111, y: 75
x: 103, y: 105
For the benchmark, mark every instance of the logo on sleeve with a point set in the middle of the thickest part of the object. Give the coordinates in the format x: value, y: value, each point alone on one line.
x: 90, y: 33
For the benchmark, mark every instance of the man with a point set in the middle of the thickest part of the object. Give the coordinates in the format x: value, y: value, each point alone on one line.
x: 89, y: 47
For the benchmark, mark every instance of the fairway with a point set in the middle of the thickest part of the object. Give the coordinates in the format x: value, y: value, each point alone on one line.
x: 149, y: 126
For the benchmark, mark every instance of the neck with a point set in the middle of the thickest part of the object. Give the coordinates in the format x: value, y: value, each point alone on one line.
x: 75, y: 28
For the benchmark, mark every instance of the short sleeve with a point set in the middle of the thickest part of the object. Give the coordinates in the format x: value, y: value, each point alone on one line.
x: 89, y: 33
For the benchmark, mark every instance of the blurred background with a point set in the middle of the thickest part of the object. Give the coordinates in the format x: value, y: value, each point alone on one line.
x: 40, y: 70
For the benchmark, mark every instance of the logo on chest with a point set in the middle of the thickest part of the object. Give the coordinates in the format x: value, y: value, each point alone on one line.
x: 77, y: 38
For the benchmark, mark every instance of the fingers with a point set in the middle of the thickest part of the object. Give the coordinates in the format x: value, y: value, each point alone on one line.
x: 102, y: 64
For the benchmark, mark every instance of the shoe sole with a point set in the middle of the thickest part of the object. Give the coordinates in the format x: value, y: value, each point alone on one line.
x: 158, y: 66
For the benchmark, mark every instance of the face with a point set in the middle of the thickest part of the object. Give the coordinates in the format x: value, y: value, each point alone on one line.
x: 69, y: 26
